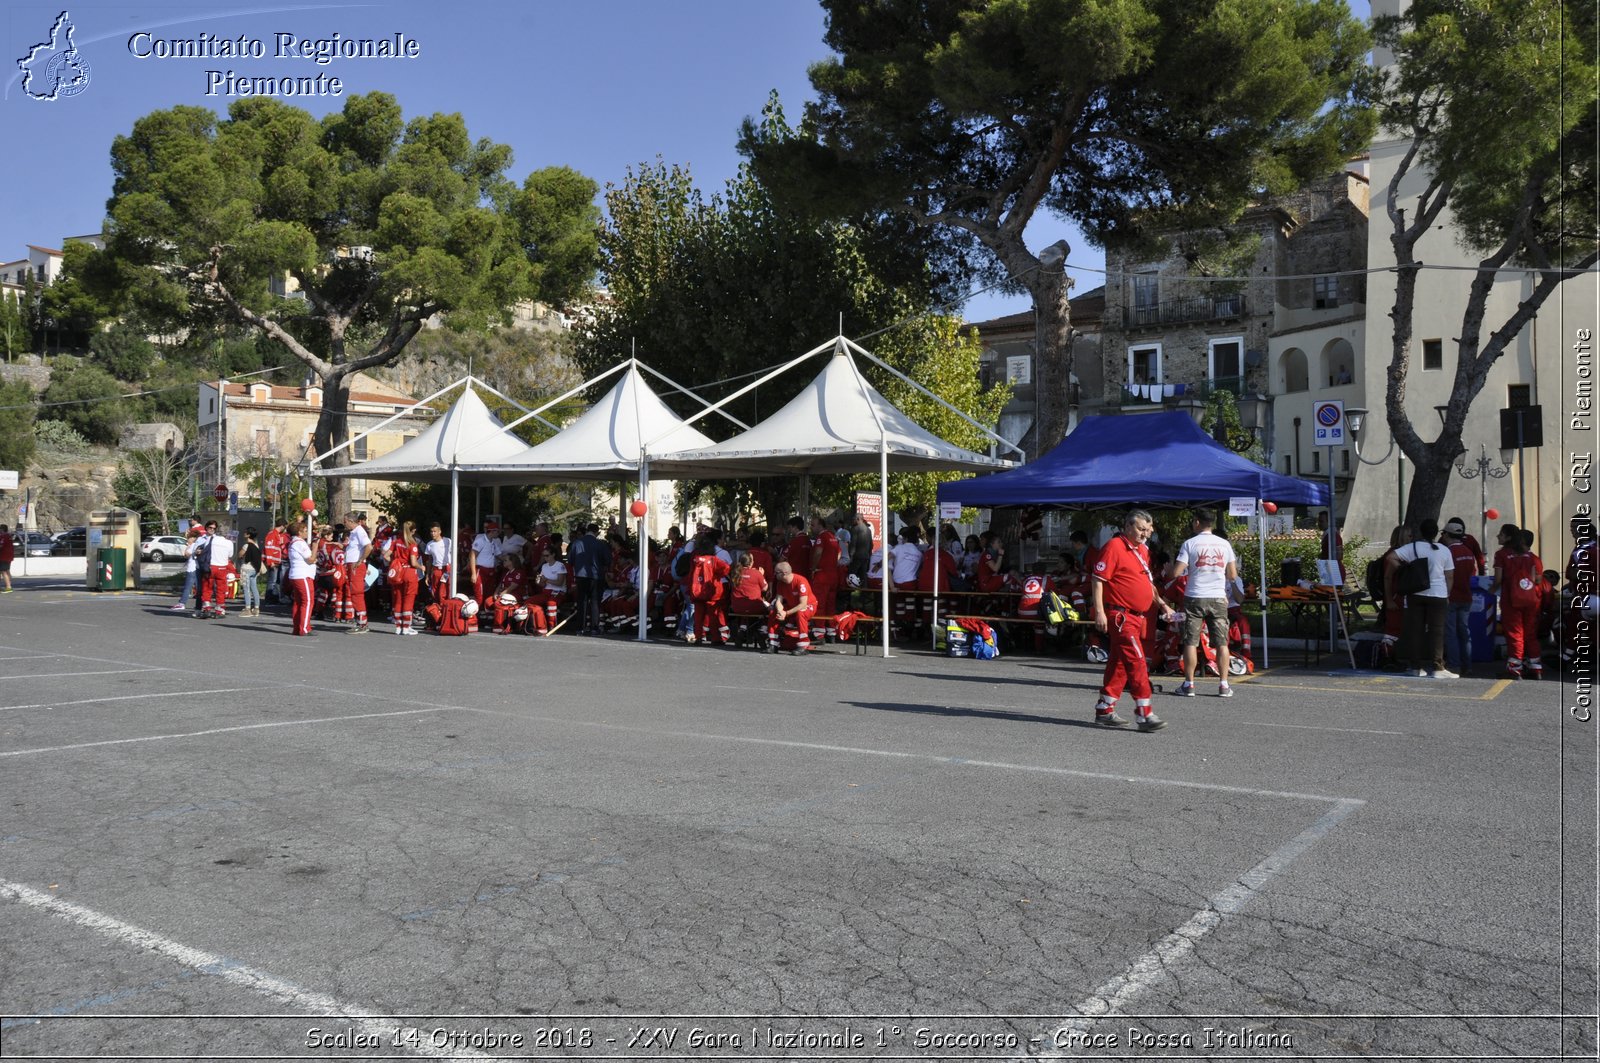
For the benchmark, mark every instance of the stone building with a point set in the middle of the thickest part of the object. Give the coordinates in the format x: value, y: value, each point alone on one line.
x: 1174, y: 338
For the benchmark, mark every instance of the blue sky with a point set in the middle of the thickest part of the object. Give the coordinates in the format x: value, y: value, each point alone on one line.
x: 597, y: 85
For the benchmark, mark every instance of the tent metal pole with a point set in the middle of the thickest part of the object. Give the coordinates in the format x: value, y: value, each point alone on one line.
x: 455, y: 525
x: 933, y: 625
x: 644, y: 554
x: 1261, y: 584
x: 888, y: 569
x: 805, y: 496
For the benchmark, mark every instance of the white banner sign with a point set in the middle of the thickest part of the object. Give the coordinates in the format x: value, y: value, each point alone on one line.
x: 8, y: 480
x: 1241, y: 507
x: 949, y: 511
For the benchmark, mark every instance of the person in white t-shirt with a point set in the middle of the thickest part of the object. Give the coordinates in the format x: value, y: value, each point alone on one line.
x: 301, y: 578
x: 437, y: 551
x: 485, y: 558
x: 357, y: 548
x: 1212, y: 568
x: 215, y: 561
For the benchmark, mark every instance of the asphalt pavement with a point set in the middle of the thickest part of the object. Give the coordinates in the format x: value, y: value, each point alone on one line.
x: 221, y: 841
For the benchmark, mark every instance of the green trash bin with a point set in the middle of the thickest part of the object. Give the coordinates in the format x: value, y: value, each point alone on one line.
x: 113, y: 570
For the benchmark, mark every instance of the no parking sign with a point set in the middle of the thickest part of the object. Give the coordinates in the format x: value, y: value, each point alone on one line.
x: 1327, y: 422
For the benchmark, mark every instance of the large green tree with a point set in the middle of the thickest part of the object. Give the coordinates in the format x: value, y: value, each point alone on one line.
x: 968, y: 117
x: 716, y: 289
x: 17, y: 405
x: 375, y: 223
x: 1497, y: 99
x: 89, y: 400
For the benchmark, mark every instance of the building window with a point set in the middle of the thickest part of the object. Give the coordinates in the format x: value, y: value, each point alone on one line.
x: 1519, y: 395
x: 263, y: 441
x: 1344, y: 461
x: 360, y: 449
x: 1324, y: 292
x: 1316, y: 461
x: 1144, y: 365
x: 1146, y: 298
x: 1225, y: 363
x: 1288, y: 465
x: 1432, y: 354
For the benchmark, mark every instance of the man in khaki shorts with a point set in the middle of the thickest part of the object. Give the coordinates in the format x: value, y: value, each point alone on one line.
x: 1212, y: 567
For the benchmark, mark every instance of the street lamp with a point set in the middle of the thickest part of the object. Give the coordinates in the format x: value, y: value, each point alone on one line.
x: 1482, y: 469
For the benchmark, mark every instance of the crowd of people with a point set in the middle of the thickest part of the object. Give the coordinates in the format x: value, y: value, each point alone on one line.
x: 793, y: 590
x: 1426, y: 581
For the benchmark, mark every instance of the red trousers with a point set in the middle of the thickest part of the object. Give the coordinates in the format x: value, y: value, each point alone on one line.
x: 1126, y: 665
x: 711, y: 614
x: 218, y: 579
x: 483, y: 589
x: 1520, y: 625
x: 355, y: 578
x: 403, y: 594
x: 549, y: 601
x: 300, y: 595
x: 802, y: 627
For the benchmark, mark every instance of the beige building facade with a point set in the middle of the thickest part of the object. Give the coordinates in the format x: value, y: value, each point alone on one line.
x: 275, y: 423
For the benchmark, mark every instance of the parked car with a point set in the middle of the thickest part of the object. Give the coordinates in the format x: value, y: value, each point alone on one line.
x: 34, y: 544
x: 74, y: 542
x: 163, y: 547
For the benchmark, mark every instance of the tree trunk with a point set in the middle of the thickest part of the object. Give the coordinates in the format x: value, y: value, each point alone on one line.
x: 1052, y: 369
x: 333, y: 428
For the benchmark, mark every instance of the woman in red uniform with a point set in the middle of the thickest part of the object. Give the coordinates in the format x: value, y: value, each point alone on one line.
x: 402, y: 576
x: 1519, y: 581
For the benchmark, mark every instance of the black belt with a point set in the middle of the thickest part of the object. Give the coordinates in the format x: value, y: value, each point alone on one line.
x: 1118, y: 609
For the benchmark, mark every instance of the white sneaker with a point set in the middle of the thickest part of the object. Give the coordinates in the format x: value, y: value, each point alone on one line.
x: 1445, y: 673
x: 1419, y: 673
x: 1224, y: 690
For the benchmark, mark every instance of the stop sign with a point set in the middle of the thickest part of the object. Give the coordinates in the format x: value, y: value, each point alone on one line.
x: 221, y: 493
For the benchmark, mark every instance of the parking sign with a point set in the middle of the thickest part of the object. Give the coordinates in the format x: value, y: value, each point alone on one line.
x: 1327, y: 422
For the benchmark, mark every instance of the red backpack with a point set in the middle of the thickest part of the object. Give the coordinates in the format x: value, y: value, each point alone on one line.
x: 1522, y: 582
x: 702, y: 578
x: 451, y: 622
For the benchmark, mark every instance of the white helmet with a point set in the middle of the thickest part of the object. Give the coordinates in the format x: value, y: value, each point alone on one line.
x: 520, y: 613
x: 852, y: 581
x: 469, y: 608
x: 508, y: 599
x: 463, y: 596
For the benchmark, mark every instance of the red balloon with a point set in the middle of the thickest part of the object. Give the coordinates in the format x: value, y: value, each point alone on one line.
x: 1270, y: 507
x: 638, y: 508
x: 1492, y: 513
x: 307, y: 505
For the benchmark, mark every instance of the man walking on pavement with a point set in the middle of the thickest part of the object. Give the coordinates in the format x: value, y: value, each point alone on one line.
x: 1212, y: 568
x: 1121, y: 593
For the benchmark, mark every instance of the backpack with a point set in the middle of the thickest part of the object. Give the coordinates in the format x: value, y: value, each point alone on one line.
x: 1374, y: 579
x: 681, y: 565
x: 451, y: 622
x: 702, y: 587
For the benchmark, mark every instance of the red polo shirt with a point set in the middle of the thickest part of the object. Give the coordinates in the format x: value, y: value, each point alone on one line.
x: 1125, y: 571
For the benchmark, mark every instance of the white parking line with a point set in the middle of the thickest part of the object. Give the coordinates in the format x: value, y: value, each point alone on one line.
x: 1114, y: 997
x: 133, y: 697
x: 33, y: 656
x: 63, y: 675
x: 211, y: 731
x: 251, y: 978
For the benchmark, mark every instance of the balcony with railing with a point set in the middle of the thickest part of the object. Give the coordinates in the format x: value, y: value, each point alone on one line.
x: 1173, y: 394
x: 1184, y: 311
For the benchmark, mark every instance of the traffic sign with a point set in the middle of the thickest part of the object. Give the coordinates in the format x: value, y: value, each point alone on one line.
x: 220, y: 493
x: 1327, y: 423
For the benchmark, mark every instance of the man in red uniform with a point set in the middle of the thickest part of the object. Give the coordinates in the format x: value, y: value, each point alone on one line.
x: 1519, y: 581
x: 8, y: 553
x: 825, y: 574
x: 798, y: 550
x: 708, y: 574
x: 794, y: 604
x: 760, y: 556
x: 1121, y: 592
x: 273, y: 554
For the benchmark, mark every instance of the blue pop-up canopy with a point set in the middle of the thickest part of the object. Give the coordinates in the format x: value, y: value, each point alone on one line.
x: 1150, y: 459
